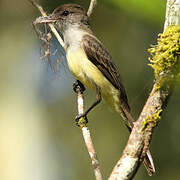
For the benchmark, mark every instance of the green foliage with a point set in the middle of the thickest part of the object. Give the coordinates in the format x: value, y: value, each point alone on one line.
x: 151, y: 11
x: 164, y: 54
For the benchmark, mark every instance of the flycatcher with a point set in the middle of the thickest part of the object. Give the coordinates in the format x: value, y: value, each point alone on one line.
x: 92, y: 65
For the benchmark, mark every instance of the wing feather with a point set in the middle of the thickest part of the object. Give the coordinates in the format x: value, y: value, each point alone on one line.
x: 100, y: 57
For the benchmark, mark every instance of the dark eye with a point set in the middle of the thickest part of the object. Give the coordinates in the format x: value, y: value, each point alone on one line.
x: 65, y: 13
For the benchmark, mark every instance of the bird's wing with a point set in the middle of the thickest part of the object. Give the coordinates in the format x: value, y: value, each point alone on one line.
x: 100, y: 57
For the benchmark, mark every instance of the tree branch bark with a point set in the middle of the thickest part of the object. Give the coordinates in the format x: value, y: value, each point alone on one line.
x: 87, y: 136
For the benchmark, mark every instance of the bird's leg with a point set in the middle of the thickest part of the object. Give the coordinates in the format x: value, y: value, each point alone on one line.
x: 78, y: 86
x: 98, y: 100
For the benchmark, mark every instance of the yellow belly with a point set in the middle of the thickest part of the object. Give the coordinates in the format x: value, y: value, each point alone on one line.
x: 90, y: 76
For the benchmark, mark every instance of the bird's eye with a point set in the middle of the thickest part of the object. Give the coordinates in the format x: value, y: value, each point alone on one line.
x: 65, y: 13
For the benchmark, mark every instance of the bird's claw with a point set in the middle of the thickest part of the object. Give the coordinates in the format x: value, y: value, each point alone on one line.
x: 77, y: 84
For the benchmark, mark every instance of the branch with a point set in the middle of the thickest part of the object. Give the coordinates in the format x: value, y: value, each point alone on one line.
x: 87, y: 136
x: 91, y: 7
x: 141, y: 134
x: 172, y: 13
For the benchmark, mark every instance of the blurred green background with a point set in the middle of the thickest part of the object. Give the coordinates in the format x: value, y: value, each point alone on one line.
x: 38, y: 136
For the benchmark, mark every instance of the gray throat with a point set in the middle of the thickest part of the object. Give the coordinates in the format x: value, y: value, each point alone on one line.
x: 74, y: 35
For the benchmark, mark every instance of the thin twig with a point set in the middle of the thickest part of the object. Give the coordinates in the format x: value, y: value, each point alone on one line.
x: 34, y: 3
x: 87, y: 138
x: 140, y: 137
x: 91, y: 7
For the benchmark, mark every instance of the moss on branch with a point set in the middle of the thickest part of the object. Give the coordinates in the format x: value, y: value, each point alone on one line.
x: 153, y: 118
x: 164, y: 61
x: 165, y: 53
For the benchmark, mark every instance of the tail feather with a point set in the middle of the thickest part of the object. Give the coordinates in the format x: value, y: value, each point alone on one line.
x: 149, y: 164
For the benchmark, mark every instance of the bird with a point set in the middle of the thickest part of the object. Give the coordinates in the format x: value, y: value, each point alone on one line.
x: 92, y: 65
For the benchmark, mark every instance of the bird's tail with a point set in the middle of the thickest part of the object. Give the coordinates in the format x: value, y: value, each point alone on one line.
x: 148, y: 160
x: 149, y: 164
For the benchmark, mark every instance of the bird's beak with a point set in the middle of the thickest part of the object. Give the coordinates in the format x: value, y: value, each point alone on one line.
x: 47, y: 19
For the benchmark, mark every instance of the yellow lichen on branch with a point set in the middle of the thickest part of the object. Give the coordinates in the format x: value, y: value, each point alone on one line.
x: 164, y: 61
x: 153, y: 118
x: 165, y: 53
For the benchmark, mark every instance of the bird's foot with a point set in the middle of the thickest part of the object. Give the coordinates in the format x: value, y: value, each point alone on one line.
x: 78, y: 85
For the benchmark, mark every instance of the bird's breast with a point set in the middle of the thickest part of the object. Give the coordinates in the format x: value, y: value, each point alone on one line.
x: 86, y: 72
x: 83, y: 69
